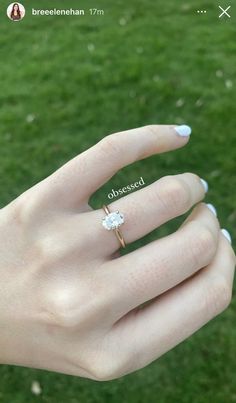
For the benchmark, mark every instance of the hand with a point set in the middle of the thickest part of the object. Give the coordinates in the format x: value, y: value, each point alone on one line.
x: 70, y: 303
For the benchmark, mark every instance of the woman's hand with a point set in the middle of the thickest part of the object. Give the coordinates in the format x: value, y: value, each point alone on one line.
x: 70, y: 303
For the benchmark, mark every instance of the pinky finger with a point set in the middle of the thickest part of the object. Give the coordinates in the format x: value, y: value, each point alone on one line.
x: 149, y: 332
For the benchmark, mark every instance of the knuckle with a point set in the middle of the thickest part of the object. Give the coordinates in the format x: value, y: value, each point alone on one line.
x: 151, y: 129
x: 102, y: 373
x: 60, y: 310
x: 219, y: 295
x: 105, y: 367
x: 206, y: 240
x: 203, y: 244
x: 19, y: 210
x: 174, y: 194
x: 113, y: 357
x: 110, y: 145
x: 74, y: 305
x: 191, y: 176
x: 45, y: 251
x: 23, y: 209
x: 64, y: 318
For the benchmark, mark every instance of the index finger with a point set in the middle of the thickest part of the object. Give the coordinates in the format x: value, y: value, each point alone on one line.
x: 85, y: 173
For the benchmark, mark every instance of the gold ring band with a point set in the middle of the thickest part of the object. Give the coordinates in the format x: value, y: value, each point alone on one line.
x: 120, y: 220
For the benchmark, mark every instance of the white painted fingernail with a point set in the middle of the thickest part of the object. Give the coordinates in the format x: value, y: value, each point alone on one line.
x: 205, y: 185
x: 227, y: 235
x: 183, y: 130
x: 212, y: 208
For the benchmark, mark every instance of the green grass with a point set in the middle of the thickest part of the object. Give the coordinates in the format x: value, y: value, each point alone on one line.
x: 146, y: 56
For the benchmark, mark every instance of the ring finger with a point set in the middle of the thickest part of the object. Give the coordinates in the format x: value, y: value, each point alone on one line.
x: 148, y: 208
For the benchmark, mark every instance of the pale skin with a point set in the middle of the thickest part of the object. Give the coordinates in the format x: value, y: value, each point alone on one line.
x: 70, y: 303
x: 16, y: 8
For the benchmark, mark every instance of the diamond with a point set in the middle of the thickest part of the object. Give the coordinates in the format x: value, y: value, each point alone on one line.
x: 113, y: 220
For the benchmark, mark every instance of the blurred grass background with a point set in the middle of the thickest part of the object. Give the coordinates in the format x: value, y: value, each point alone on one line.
x: 66, y: 82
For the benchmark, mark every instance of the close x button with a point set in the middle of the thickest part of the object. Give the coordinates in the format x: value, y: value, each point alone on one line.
x: 224, y: 12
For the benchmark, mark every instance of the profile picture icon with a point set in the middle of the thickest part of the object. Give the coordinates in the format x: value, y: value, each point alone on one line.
x: 16, y: 11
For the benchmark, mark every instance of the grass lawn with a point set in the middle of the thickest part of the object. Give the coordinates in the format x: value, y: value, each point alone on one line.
x: 66, y: 82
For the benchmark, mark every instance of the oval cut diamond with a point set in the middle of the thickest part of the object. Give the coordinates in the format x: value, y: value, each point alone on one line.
x: 113, y: 220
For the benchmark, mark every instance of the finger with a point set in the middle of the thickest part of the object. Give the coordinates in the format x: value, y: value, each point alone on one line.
x: 84, y: 174
x: 155, y: 268
x: 148, y: 208
x: 145, y: 334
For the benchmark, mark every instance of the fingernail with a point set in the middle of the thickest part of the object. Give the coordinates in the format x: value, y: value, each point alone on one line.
x: 183, y: 130
x: 212, y: 208
x: 227, y: 235
x: 205, y: 184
